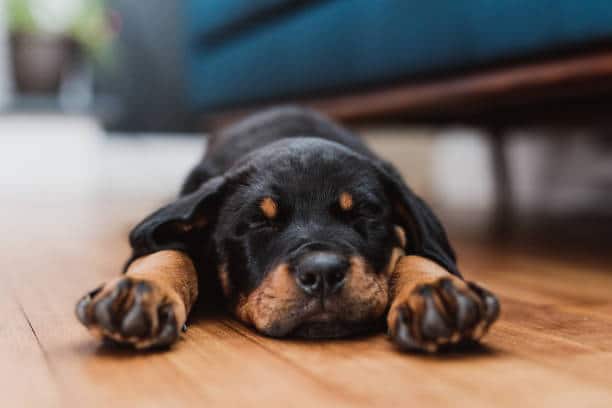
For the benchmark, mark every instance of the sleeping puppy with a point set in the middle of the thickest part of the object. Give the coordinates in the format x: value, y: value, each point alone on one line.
x: 302, y: 231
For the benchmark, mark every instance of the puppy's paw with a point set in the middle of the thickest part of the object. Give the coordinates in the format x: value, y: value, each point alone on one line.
x: 447, y: 311
x: 133, y: 311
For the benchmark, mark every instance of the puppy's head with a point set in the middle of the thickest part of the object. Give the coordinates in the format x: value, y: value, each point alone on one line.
x: 306, y: 243
x: 306, y: 233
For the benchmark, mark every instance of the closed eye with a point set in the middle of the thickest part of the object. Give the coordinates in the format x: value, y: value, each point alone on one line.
x: 370, y: 210
x: 257, y: 224
x: 362, y: 210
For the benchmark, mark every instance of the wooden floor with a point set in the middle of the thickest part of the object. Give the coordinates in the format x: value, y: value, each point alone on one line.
x: 551, y: 347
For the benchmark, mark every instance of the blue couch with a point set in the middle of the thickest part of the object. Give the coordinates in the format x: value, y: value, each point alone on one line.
x: 242, y: 52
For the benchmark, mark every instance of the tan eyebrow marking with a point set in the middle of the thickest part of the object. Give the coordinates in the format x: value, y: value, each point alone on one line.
x: 269, y: 207
x: 346, y: 201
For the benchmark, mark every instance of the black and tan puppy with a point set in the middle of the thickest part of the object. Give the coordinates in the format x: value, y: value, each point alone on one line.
x: 305, y: 232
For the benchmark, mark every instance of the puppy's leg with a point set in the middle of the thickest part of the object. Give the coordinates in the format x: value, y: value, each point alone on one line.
x: 431, y: 307
x: 148, y: 306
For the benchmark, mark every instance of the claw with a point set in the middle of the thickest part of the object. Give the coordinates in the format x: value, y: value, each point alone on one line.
x: 103, y: 313
x: 81, y: 310
x: 168, y: 333
x: 403, y: 337
x: 434, y: 325
x: 492, y: 309
x: 82, y: 306
x: 135, y: 323
x: 491, y: 304
x: 105, y: 308
x: 140, y: 320
x: 463, y: 307
x: 467, y: 312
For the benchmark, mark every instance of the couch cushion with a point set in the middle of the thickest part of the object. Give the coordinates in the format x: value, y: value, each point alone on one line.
x: 338, y: 45
x: 208, y: 17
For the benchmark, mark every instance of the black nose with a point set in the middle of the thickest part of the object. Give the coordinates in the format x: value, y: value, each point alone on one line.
x: 321, y: 273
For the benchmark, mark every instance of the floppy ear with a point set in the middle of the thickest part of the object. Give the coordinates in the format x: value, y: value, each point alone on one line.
x: 180, y: 224
x: 425, y: 236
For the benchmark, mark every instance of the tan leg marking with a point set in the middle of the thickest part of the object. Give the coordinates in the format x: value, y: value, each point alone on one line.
x: 173, y: 271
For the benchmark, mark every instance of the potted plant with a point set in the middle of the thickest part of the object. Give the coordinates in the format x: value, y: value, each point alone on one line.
x: 49, y: 36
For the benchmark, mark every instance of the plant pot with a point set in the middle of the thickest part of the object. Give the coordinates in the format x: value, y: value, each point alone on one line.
x: 40, y: 61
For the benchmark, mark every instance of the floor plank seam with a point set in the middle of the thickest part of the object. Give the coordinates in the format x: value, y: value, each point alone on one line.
x: 45, y: 355
x: 38, y: 342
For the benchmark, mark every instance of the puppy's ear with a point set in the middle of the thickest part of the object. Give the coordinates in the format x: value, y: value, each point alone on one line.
x: 425, y: 236
x: 180, y: 224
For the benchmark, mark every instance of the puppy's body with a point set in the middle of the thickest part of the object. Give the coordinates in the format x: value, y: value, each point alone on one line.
x: 302, y: 230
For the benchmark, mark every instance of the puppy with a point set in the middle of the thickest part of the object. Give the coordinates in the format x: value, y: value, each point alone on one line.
x: 302, y: 231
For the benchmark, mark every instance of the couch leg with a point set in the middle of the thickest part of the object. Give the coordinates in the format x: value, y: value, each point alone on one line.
x: 503, y: 213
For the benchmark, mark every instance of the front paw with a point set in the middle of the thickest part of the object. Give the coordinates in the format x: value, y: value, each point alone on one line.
x: 447, y: 311
x: 132, y: 311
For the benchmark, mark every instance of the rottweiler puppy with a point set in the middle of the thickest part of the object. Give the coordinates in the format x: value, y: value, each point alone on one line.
x: 302, y: 231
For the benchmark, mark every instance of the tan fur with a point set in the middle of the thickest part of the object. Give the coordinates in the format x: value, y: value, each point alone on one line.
x: 271, y: 300
x: 171, y: 271
x: 278, y: 300
x: 365, y: 294
x: 346, y: 201
x: 269, y: 207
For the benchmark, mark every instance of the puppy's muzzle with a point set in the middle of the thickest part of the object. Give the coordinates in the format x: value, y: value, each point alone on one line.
x: 321, y: 273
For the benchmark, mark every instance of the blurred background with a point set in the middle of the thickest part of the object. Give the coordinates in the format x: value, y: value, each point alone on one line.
x: 495, y: 111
